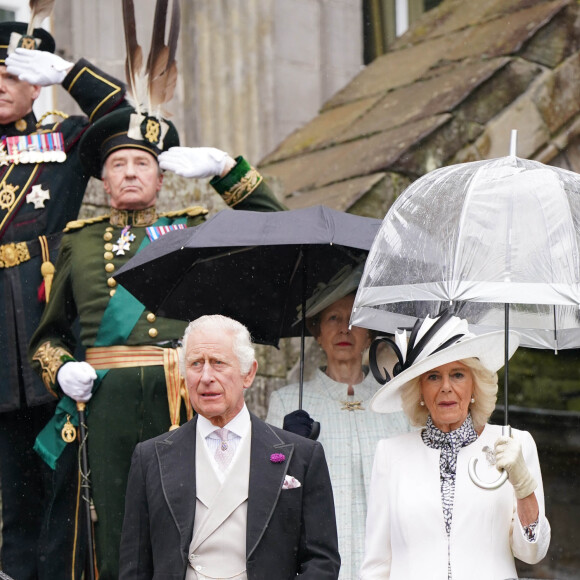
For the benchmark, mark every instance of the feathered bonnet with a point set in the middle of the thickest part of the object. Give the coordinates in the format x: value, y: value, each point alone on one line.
x: 27, y: 35
x: 143, y: 125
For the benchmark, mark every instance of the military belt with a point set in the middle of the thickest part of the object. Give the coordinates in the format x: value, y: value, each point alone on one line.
x: 16, y: 253
x: 121, y: 356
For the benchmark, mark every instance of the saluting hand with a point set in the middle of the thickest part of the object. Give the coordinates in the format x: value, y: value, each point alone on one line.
x: 76, y: 380
x: 37, y: 67
x: 197, y: 162
x: 509, y: 456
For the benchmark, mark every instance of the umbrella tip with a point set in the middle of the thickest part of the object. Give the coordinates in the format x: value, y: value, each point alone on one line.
x: 513, y: 142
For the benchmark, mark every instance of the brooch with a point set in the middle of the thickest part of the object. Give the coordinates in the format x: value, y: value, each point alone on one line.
x: 351, y: 406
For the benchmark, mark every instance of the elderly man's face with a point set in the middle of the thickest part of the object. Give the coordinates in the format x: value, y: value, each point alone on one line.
x: 212, y: 373
x: 131, y: 178
x: 16, y: 97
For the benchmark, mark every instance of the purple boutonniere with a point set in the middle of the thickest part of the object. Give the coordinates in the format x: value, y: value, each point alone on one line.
x: 277, y: 458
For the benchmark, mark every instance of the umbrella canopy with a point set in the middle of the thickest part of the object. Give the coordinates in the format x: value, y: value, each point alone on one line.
x: 476, y: 236
x: 256, y: 267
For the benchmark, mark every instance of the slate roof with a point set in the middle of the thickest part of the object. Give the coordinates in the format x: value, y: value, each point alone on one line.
x: 449, y: 90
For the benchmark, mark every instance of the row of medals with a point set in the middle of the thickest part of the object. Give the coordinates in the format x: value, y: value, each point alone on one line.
x: 32, y: 157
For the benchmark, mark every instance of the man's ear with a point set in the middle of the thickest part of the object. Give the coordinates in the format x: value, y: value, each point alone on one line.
x: 35, y: 92
x: 249, y: 378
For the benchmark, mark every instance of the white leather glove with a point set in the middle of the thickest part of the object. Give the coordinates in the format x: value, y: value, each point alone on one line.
x: 508, y: 456
x: 37, y: 67
x: 76, y: 380
x: 195, y: 162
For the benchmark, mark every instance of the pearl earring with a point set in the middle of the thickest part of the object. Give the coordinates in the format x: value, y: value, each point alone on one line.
x: 422, y: 403
x: 472, y: 400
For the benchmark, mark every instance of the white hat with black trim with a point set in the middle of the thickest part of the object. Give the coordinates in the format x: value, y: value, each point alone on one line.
x: 433, y: 342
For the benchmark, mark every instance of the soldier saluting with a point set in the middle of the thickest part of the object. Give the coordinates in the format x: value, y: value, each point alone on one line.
x: 42, y: 184
x: 130, y: 374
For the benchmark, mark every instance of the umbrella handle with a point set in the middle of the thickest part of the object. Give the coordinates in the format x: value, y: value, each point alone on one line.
x: 506, y: 430
x: 484, y: 484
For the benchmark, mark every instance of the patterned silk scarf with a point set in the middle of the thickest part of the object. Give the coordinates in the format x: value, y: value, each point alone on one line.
x: 450, y: 444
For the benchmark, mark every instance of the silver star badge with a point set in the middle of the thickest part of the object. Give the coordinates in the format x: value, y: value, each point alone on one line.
x: 38, y: 196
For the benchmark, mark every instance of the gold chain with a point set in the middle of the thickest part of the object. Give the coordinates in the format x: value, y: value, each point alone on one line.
x: 48, y: 114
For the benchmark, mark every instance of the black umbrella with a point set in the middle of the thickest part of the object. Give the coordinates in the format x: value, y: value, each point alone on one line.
x: 256, y: 267
x: 253, y: 266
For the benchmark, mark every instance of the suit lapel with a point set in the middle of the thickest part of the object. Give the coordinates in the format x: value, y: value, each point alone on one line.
x: 266, y: 479
x: 176, y: 456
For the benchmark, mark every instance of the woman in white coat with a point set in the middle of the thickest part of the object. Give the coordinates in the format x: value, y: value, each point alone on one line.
x: 426, y: 518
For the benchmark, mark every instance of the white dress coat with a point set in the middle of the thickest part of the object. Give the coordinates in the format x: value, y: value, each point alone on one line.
x: 405, y: 531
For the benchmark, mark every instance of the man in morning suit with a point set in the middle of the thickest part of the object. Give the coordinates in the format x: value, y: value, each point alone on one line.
x: 227, y: 495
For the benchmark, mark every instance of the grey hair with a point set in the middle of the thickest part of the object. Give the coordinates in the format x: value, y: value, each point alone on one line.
x: 484, y: 393
x: 242, y: 341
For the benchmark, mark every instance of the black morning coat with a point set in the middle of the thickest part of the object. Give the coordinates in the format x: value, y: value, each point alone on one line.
x: 290, y: 533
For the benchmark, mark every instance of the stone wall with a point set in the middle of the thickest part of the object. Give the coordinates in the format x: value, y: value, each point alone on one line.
x: 251, y: 71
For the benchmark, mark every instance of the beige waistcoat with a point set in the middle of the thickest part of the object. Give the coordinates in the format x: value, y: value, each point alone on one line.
x: 218, y: 546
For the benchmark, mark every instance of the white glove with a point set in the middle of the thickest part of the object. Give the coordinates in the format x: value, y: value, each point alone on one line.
x: 76, y: 380
x: 508, y: 456
x: 195, y: 162
x: 37, y: 67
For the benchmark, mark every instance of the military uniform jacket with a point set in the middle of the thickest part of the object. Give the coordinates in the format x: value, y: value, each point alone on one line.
x: 89, y: 257
x: 22, y: 222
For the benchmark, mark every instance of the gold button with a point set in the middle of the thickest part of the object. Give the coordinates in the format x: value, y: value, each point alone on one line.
x: 112, y: 282
x: 109, y: 267
x: 151, y: 317
x: 108, y: 255
x: 108, y: 247
x: 112, y: 293
x: 153, y: 332
x: 109, y: 228
x: 108, y: 236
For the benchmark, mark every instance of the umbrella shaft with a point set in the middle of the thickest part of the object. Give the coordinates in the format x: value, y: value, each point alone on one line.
x: 506, y: 366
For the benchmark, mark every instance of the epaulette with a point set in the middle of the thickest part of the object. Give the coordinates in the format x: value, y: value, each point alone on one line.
x: 77, y: 224
x: 192, y: 211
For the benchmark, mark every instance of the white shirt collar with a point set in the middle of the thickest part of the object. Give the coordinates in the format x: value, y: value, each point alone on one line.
x: 239, y: 425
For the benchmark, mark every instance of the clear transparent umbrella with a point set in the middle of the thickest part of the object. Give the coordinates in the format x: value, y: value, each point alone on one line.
x: 477, y: 236
x: 497, y: 240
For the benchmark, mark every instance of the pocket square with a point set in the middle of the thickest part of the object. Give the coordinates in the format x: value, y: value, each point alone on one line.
x: 290, y: 483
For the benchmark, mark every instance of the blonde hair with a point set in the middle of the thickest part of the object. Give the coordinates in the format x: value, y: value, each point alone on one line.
x: 484, y: 393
